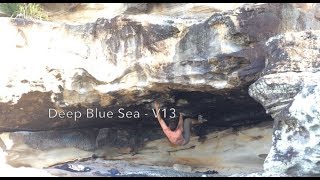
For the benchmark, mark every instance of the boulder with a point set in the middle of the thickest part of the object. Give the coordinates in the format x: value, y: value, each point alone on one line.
x: 74, y: 74
x: 289, y: 91
x: 96, y: 79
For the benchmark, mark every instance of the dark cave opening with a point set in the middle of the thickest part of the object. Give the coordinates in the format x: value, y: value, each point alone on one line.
x: 228, y: 109
x: 231, y: 109
x: 131, y: 138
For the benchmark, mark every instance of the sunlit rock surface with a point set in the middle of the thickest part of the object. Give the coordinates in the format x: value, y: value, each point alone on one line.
x: 229, y: 151
x: 199, y: 59
x: 129, y: 61
x: 289, y: 90
x: 80, y: 13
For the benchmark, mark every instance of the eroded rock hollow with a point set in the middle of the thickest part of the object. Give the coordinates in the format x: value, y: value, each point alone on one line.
x: 88, y: 89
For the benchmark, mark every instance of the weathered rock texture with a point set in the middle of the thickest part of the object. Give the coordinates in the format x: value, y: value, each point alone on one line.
x: 131, y: 60
x: 80, y: 13
x: 197, y: 64
x: 289, y: 91
x: 228, y: 151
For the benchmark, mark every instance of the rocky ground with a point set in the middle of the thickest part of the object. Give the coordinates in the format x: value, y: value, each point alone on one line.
x: 100, y: 167
x: 239, y: 66
x: 228, y: 152
x: 116, y: 168
x: 107, y: 168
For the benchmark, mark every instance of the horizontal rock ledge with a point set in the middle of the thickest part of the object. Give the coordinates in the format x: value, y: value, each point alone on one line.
x: 228, y: 109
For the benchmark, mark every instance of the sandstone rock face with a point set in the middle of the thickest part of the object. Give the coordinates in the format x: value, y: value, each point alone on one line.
x: 43, y: 149
x: 289, y: 91
x: 199, y: 59
x: 181, y: 167
x: 129, y: 61
x: 80, y: 13
x: 228, y: 151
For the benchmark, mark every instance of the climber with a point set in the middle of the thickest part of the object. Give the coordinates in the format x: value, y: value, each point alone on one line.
x: 181, y: 135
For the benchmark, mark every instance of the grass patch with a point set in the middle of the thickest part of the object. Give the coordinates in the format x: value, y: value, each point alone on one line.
x: 26, y: 10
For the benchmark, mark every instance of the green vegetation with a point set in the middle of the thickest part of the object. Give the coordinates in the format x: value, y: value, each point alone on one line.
x: 26, y: 10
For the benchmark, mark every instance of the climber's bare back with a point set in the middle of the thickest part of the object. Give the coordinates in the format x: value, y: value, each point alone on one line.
x: 176, y: 136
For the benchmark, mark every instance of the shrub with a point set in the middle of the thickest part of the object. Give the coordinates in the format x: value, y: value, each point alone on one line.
x: 26, y: 10
x: 11, y: 9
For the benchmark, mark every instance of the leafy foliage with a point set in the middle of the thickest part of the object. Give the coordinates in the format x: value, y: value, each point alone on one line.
x: 26, y: 10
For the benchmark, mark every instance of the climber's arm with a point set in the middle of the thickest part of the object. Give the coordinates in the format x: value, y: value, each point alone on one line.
x: 161, y: 121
